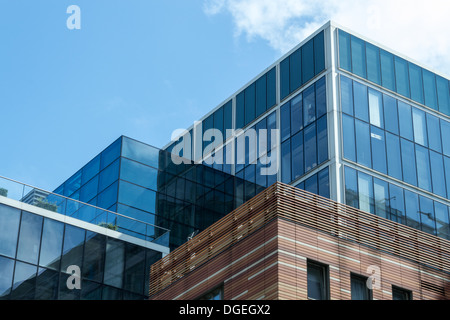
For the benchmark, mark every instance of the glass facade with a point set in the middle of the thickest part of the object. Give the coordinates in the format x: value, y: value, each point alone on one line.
x: 37, y: 252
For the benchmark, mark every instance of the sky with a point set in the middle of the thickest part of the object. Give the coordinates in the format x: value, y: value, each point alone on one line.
x: 143, y: 68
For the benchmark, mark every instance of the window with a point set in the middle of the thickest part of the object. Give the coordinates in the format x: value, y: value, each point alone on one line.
x: 348, y: 127
x: 443, y: 95
x: 437, y: 174
x: 295, y: 70
x: 405, y: 120
x: 308, y: 61
x: 378, y: 149
x: 110, y: 154
x: 347, y: 95
x: 261, y: 94
x: 297, y: 156
x: 72, y: 247
x: 319, y: 53
x: 423, y: 168
x: 52, y: 237
x: 351, y: 188
x: 359, y: 288
x: 412, y: 209
x: 434, y: 133
x: 139, y: 174
x: 408, y: 162
x: 401, y: 294
x: 361, y: 101
x: 358, y: 57
x: 427, y: 215
x: 216, y: 294
x: 284, y: 79
x: 285, y: 121
x: 250, y: 107
x: 373, y: 63
x: 442, y: 220
x: 397, y: 204
x: 345, y: 58
x: 296, y: 115
x: 9, y: 228
x: 324, y: 183
x: 322, y: 140
x: 416, y: 83
x: 394, y: 160
x: 286, y: 162
x: 309, y: 105
x: 445, y: 131
x: 429, y: 88
x: 381, y: 198
x: 390, y: 114
x: 140, y: 152
x: 240, y: 111
x: 94, y: 253
x: 310, y: 137
x: 7, y: 269
x: 363, y: 155
x: 376, y: 108
x: 420, y: 127
x: 29, y: 237
x: 365, y: 192
x: 321, y: 97
x: 387, y: 70
x: 401, y: 76
x: 114, y: 263
x: 318, y: 283
x: 311, y: 184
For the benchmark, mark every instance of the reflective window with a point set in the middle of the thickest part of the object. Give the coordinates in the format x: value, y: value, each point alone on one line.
x: 9, y: 229
x: 94, y: 253
x: 285, y: 121
x: 114, y: 263
x: 90, y: 170
x: 140, y: 152
x: 89, y: 190
x: 397, y: 204
x: 72, y: 247
x: 359, y: 288
x: 218, y: 118
x: 271, y: 88
x: 24, y: 281
x: 420, y: 127
x: 408, y: 163
x: 261, y: 101
x: 427, y: 215
x: 108, y: 197
x: 381, y: 198
x: 423, y: 168
x: 447, y: 175
x: 376, y: 108
x: 110, y: 154
x: 52, y: 238
x: 308, y: 61
x: 434, y: 133
x: 416, y: 83
x: 405, y: 120
x: 401, y: 76
x: 47, y: 284
x: 361, y: 101
x: 347, y: 95
x: 412, y: 209
x: 322, y: 140
x: 318, y: 288
x: 348, y: 127
x: 345, y: 61
x: 443, y: 95
x: 321, y: 97
x: 250, y: 107
x: 72, y: 184
x: 311, y: 184
x: 310, y: 147
x: 227, y: 114
x: 401, y: 294
x: 134, y: 269
x: 365, y: 192
x: 295, y: 69
x: 394, y: 160
x: 29, y: 237
x: 296, y: 116
x: 6, y: 277
x: 297, y: 156
x: 286, y: 162
x: 139, y: 174
x: 442, y: 220
x: 373, y: 63
x: 390, y: 114
x: 351, y: 188
x: 378, y: 149
x: 137, y: 197
x: 429, y: 88
x: 319, y: 53
x: 324, y: 183
x: 437, y: 174
x: 309, y: 106
x: 363, y: 155
x: 358, y: 57
x: 445, y: 130
x: 284, y: 79
x: 387, y: 70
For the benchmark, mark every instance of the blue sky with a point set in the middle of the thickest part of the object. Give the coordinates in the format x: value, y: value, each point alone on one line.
x: 143, y: 68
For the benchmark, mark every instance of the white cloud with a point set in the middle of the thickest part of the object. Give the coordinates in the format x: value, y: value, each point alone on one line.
x: 417, y: 28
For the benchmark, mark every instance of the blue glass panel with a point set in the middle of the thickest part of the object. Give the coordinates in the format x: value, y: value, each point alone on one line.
x: 311, y: 184
x: 361, y: 101
x: 363, y: 155
x: 390, y: 114
x: 108, y: 197
x: 423, y: 168
x: 296, y: 114
x: 218, y: 120
x: 401, y: 76
x: 447, y: 175
x: 376, y: 108
x: 9, y: 228
x: 284, y: 78
x: 365, y: 191
x: 348, y: 127
x: 387, y: 70
x: 228, y: 116
x: 7, y: 269
x: 90, y: 170
x: 240, y: 110
x: 427, y: 215
x: 346, y: 95
x: 319, y: 53
x: 412, y: 209
x: 271, y: 125
x: 351, y: 188
x: 442, y: 220
x: 321, y: 97
x: 324, y: 183
x: 89, y: 190
x: 249, y: 176
x: 271, y: 88
x: 345, y: 61
x: 286, y: 161
x: 140, y: 152
x: 114, y: 262
x: 137, y: 197
x: 109, y: 175
x: 445, y: 133
x: 261, y: 96
x: 381, y: 196
x: 295, y: 70
x: 207, y: 124
x: 394, y: 160
x: 250, y: 107
x: 136, y: 214
x: 420, y: 127
x: 378, y: 149
x: 308, y: 61
x: 24, y: 277
x: 358, y: 57
x: 285, y: 119
x: 72, y: 184
x: 416, y: 83
x: 397, y: 204
x: 72, y: 247
x: 110, y: 154
x: 310, y: 147
x: 94, y: 253
x: 297, y: 155
x: 437, y: 174
x: 52, y: 238
x: 405, y: 120
x: 443, y: 95
x: 139, y: 174
x: 408, y: 163
x: 309, y: 106
x: 29, y: 237
x: 373, y: 63
x: 429, y: 88
x: 322, y: 140
x: 434, y: 133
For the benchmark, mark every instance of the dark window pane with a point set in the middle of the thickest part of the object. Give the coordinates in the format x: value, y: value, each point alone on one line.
x: 140, y: 152
x: 308, y: 61
x: 416, y: 83
x: 344, y: 51
x: 250, y: 107
x: 311, y: 184
x: 427, y: 215
x: 296, y: 114
x: 363, y: 143
x: 394, y: 160
x: 348, y: 126
x: 405, y: 120
x: 324, y: 183
x: 381, y: 195
x: 297, y: 156
x: 317, y: 281
x: 390, y: 114
x: 91, y: 290
x: 397, y: 204
x: 110, y: 293
x: 447, y: 175
x: 6, y: 278
x: 114, y: 263
x: 321, y: 97
x: 359, y: 288
x: 137, y: 197
x: 271, y: 88
x: 24, y: 282
x: 400, y: 294
x: 139, y: 174
x: 309, y: 106
x: 73, y: 247
x: 445, y: 131
x: 437, y: 174
x: 227, y: 114
x: 310, y: 147
x: 434, y: 133
x: 295, y: 70
x: 347, y: 95
x: 358, y: 57
x: 110, y: 154
x: 412, y: 209
x: 365, y: 190
x: 319, y: 53
x: 423, y: 168
x: 72, y: 184
x: 387, y: 70
x: 89, y: 190
x: 261, y: 94
x: 52, y: 238
x: 240, y: 110
x: 218, y: 120
x: 373, y: 63
x: 108, y: 197
x: 29, y: 237
x: 134, y: 269
x: 286, y: 162
x: 94, y: 253
x: 284, y: 78
x: 442, y: 220
x: 285, y: 121
x: 9, y: 228
x: 361, y: 101
x: 378, y: 149
x: 401, y: 76
x: 322, y: 140
x: 408, y: 163
x: 90, y: 170
x: 429, y: 88
x: 351, y: 188
x: 420, y: 127
x: 47, y: 284
x: 376, y: 108
x: 443, y: 95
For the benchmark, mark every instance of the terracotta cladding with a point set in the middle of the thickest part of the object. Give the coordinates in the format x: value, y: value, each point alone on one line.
x: 261, y: 249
